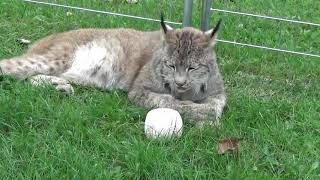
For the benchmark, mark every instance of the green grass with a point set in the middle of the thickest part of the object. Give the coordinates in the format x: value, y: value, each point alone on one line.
x: 273, y: 102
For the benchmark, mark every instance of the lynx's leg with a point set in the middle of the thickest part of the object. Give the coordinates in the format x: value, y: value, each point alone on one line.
x: 59, y: 83
x: 149, y: 99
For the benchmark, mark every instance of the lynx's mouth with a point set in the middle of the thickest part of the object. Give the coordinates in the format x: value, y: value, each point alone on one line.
x: 181, y: 89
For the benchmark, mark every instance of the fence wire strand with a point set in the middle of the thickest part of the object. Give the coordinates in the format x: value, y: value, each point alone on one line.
x: 268, y: 48
x: 98, y: 11
x: 178, y: 23
x: 266, y: 17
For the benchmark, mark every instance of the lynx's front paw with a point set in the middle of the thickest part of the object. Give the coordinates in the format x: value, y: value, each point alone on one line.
x: 212, y: 110
x: 201, y: 112
x: 166, y: 101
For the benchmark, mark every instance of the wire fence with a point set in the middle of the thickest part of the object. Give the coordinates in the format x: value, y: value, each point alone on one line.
x: 206, y: 11
x: 269, y: 18
x: 268, y: 48
x: 98, y: 11
x: 265, y: 17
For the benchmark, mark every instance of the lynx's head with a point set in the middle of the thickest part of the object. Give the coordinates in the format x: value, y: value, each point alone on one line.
x: 187, y: 59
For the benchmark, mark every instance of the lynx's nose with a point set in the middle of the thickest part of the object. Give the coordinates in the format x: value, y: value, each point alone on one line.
x: 180, y: 80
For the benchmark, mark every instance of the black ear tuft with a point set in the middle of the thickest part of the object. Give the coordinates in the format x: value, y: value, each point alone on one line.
x: 216, y: 29
x: 163, y: 25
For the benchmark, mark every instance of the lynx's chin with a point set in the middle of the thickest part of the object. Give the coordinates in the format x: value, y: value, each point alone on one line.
x: 181, y: 89
x: 178, y: 93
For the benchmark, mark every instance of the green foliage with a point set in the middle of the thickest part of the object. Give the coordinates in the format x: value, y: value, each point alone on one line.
x: 273, y: 102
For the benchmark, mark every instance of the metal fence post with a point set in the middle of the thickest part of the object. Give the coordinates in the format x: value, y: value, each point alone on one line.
x: 205, y: 14
x: 187, y: 13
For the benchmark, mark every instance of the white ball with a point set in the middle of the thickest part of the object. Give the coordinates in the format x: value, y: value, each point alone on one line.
x: 163, y: 122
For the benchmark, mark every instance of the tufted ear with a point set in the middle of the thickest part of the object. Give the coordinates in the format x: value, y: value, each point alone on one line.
x: 212, y: 34
x: 164, y: 28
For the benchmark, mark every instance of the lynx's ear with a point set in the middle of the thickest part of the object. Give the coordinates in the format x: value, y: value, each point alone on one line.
x: 212, y: 34
x: 164, y: 28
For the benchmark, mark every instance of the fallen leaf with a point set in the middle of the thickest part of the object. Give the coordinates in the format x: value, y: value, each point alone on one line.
x: 24, y: 41
x: 132, y: 1
x: 69, y: 13
x: 225, y: 145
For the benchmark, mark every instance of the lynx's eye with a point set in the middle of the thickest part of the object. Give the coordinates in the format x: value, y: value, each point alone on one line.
x: 191, y: 68
x: 171, y: 66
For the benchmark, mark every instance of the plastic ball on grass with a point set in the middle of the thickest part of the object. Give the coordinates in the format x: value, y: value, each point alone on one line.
x: 163, y: 123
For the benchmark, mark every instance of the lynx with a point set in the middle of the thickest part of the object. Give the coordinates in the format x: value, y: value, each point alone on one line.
x: 172, y: 68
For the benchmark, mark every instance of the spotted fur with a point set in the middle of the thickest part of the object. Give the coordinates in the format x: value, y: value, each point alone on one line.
x: 173, y: 68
